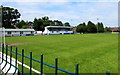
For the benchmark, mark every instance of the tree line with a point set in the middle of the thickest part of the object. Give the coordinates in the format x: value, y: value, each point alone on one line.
x: 40, y: 23
x: 10, y: 18
x: 90, y: 27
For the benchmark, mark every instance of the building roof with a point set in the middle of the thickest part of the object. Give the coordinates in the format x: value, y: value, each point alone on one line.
x: 19, y: 30
x: 115, y: 28
x: 58, y: 27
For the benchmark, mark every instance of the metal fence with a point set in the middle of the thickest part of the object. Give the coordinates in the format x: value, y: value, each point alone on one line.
x: 5, y: 50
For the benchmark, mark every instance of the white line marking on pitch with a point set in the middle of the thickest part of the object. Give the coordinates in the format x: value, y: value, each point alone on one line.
x: 13, y: 63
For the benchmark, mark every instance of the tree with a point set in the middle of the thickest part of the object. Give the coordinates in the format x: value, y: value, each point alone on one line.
x: 9, y: 16
x: 107, y: 29
x: 30, y: 23
x: 81, y: 28
x: 38, y: 25
x: 58, y: 23
x: 84, y: 28
x: 45, y: 18
x: 66, y: 24
x: 51, y: 23
x: 46, y: 21
x: 100, y: 27
x: 91, y: 28
x: 20, y: 24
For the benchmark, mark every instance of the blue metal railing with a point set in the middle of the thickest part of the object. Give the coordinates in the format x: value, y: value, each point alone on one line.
x: 32, y: 59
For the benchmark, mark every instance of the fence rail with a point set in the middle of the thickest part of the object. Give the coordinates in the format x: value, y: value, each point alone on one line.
x: 31, y: 59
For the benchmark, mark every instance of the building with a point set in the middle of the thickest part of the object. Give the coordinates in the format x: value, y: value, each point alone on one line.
x: 38, y: 33
x: 74, y: 30
x: 51, y: 30
x: 18, y: 32
x: 114, y: 29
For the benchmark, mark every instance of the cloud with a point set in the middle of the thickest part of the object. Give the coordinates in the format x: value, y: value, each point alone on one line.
x: 73, y: 12
x: 34, y: 1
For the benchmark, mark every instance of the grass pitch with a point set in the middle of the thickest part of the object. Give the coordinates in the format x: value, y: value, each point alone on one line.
x: 96, y: 53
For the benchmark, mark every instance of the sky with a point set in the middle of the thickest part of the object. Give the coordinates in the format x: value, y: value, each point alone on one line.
x: 74, y: 12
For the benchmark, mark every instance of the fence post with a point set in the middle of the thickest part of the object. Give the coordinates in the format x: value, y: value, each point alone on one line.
x: 56, y: 66
x: 15, y: 60
x: 22, y: 61
x: 6, y: 56
x: 31, y: 63
x: 10, y: 60
x: 107, y: 73
x: 77, y: 69
x: 41, y: 70
x: 2, y: 53
x: 6, y: 52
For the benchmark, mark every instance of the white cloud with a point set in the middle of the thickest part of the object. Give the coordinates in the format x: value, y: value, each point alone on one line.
x: 73, y: 13
x: 34, y: 1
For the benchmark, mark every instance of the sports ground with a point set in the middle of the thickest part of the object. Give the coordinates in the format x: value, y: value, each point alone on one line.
x: 95, y: 53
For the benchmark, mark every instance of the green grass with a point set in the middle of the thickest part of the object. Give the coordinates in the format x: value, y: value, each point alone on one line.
x: 96, y: 53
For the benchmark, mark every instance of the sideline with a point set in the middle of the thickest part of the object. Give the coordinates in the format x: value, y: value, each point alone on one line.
x: 12, y: 69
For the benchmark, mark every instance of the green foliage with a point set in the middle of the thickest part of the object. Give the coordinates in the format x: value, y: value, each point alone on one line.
x: 45, y: 18
x: 40, y: 23
x: 25, y: 26
x: 66, y: 24
x: 58, y: 23
x: 100, y: 27
x: 81, y: 28
x: 9, y: 16
x: 20, y: 24
x: 107, y: 29
x: 91, y: 28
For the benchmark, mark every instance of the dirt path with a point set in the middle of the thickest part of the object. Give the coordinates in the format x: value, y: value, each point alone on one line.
x: 15, y: 44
